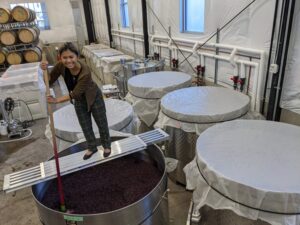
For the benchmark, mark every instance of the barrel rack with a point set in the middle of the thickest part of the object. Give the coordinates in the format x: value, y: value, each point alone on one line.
x: 18, y: 47
x: 15, y: 26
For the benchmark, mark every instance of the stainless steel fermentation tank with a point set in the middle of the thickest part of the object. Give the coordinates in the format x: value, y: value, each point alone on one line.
x: 180, y: 146
x: 152, y: 209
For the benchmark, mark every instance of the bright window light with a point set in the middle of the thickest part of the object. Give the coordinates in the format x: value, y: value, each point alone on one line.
x: 124, y: 13
x: 192, y: 15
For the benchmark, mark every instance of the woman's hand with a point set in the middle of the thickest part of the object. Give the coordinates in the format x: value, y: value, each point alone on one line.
x: 44, y: 65
x: 52, y: 100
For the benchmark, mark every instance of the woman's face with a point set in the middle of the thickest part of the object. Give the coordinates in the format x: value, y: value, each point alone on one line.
x: 69, y: 59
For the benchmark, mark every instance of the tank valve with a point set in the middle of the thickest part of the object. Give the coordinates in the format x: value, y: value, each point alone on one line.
x: 200, y: 75
x: 174, y: 63
x: 203, y: 71
x: 198, y: 69
x: 242, y: 83
x: 235, y: 80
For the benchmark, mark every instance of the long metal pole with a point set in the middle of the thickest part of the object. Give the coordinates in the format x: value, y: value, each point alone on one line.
x: 216, y: 60
x: 59, y: 182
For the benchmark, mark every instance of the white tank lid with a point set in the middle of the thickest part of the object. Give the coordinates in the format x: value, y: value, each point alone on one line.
x: 154, y: 85
x: 205, y: 104
x: 119, y: 115
x: 253, y: 162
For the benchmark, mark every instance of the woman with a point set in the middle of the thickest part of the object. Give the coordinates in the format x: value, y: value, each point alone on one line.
x: 85, y: 94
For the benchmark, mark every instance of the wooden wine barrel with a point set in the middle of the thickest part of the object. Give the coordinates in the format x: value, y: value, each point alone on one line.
x: 33, y: 55
x: 2, y: 56
x: 8, y: 37
x: 14, y: 58
x: 28, y: 34
x: 5, y: 15
x: 22, y: 14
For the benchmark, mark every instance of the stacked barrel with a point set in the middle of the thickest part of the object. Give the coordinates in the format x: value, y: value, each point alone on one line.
x: 19, y: 36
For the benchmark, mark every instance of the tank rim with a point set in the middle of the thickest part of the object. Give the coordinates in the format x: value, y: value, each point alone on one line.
x: 114, y: 211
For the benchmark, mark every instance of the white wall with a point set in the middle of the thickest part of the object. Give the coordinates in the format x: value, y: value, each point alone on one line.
x: 60, y: 18
x: 251, y: 29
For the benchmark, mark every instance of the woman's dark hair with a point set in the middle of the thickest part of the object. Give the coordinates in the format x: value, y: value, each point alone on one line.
x: 68, y: 46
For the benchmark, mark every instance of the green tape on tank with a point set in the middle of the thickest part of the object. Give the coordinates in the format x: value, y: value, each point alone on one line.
x: 73, y: 218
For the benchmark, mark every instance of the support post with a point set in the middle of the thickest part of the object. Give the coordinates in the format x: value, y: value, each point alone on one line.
x: 89, y: 20
x: 216, y: 60
x: 274, y: 110
x: 145, y: 28
x: 170, y: 51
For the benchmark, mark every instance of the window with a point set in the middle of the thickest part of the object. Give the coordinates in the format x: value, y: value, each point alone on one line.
x: 124, y: 13
x: 42, y: 19
x: 192, y: 15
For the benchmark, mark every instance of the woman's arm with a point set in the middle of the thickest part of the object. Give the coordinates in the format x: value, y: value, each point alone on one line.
x: 55, y: 72
x: 61, y: 99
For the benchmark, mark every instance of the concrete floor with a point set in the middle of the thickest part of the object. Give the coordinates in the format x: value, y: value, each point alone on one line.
x: 19, y: 208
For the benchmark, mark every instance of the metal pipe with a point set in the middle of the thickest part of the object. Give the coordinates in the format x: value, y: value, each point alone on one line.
x: 127, y: 37
x: 170, y: 51
x: 215, y: 45
x: 134, y: 46
x: 216, y: 61
x: 127, y: 32
x: 243, y: 70
x: 240, y: 49
x: 119, y: 37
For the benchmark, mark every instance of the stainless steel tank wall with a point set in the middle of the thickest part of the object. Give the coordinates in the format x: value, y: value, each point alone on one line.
x: 150, y: 210
x: 180, y: 146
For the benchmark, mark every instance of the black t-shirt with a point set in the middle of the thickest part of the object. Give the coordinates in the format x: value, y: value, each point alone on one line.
x: 70, y: 79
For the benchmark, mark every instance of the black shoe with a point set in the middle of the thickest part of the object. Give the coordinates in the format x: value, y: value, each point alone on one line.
x: 106, y: 154
x: 87, y: 156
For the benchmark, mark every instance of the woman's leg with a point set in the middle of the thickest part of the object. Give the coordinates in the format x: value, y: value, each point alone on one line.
x: 85, y: 121
x: 99, y: 114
